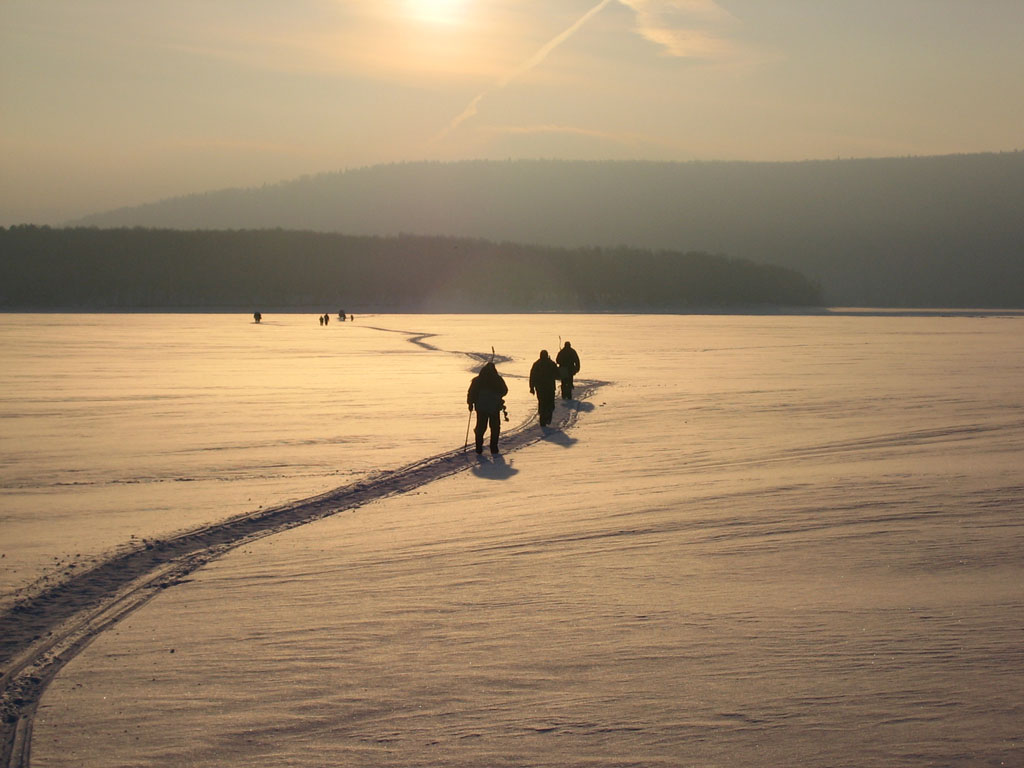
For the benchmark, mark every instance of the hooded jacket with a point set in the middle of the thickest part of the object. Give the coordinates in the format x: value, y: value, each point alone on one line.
x: 543, y: 373
x: 487, y: 390
x: 568, y: 360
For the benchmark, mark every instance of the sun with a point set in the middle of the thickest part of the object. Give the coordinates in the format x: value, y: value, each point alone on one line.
x: 436, y: 11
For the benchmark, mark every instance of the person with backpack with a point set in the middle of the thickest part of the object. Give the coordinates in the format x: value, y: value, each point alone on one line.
x: 542, y: 381
x: 486, y: 396
x: 568, y: 366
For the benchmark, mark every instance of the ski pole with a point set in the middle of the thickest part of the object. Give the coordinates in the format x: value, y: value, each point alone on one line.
x: 465, y: 446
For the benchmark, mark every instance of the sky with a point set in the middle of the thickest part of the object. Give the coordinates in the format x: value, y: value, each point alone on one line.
x: 107, y: 103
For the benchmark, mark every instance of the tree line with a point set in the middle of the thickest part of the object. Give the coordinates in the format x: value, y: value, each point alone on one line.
x: 887, y: 232
x: 138, y: 268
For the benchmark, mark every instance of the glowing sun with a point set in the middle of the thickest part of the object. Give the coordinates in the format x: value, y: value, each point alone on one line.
x: 437, y: 11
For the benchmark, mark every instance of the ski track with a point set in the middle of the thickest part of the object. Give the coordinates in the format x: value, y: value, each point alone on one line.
x: 42, y: 633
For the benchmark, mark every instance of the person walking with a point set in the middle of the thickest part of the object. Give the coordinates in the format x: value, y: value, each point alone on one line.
x: 486, y: 396
x: 568, y: 366
x: 542, y: 381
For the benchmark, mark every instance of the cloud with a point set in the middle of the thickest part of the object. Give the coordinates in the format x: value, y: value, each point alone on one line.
x: 678, y: 27
x: 569, y: 129
x: 705, y: 10
x: 626, y: 138
x: 522, y: 69
x: 669, y: 24
x: 573, y: 142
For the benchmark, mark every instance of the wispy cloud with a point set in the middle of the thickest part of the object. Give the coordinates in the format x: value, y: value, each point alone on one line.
x: 526, y: 66
x: 573, y: 140
x: 572, y: 130
x: 679, y: 27
x: 547, y: 128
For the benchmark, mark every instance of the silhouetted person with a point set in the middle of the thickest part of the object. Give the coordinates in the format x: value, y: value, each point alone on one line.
x: 321, y: 319
x: 568, y: 366
x: 257, y: 316
x: 542, y: 381
x: 341, y: 316
x: 327, y: 318
x: 486, y: 395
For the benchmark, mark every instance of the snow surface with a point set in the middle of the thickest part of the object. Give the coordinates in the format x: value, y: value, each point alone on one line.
x: 767, y: 541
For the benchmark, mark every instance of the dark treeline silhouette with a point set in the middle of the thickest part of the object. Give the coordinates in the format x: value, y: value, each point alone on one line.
x: 903, y: 232
x: 90, y: 268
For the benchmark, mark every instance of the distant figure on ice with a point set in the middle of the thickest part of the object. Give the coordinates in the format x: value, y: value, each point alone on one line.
x: 341, y: 316
x: 486, y: 395
x: 327, y: 318
x: 257, y: 316
x: 568, y: 366
x: 321, y: 319
x: 542, y: 381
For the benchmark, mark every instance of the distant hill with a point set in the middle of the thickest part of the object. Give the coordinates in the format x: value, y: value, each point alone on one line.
x: 905, y: 232
x: 90, y: 268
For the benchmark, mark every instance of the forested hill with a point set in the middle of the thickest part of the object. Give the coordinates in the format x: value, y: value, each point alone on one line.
x: 930, y: 231
x: 85, y: 268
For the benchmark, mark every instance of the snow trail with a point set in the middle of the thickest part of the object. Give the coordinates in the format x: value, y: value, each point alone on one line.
x: 42, y: 633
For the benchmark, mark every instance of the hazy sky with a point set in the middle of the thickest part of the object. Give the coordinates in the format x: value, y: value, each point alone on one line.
x: 105, y: 103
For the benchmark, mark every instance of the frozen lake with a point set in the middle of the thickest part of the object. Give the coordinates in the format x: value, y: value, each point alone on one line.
x: 120, y: 426
x: 768, y: 540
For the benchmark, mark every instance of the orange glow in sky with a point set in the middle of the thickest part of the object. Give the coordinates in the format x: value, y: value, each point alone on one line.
x: 115, y: 102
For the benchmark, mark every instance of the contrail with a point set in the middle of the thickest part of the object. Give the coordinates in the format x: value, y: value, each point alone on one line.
x: 522, y: 69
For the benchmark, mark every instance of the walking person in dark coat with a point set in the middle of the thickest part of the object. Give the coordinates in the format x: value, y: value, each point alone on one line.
x: 486, y: 396
x: 568, y: 366
x: 542, y: 381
